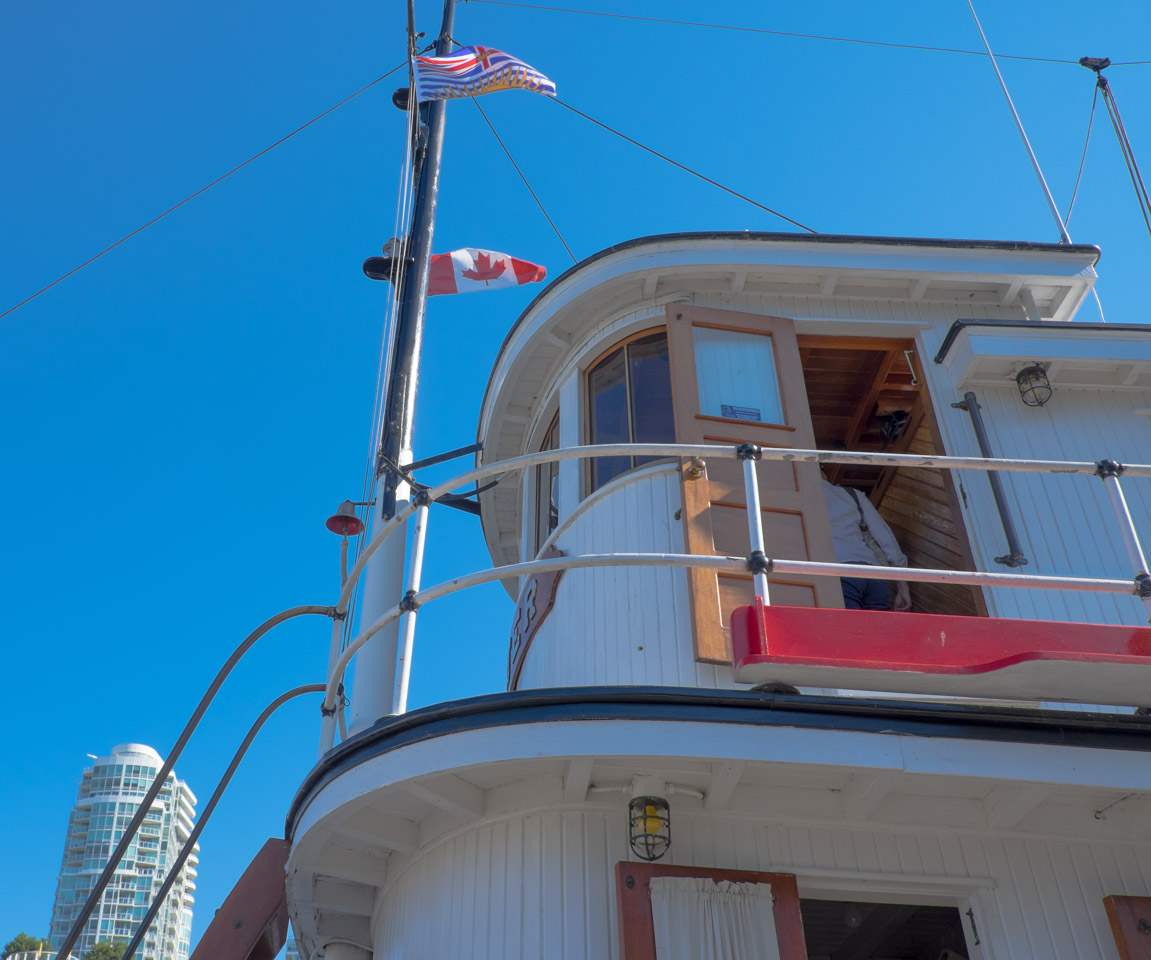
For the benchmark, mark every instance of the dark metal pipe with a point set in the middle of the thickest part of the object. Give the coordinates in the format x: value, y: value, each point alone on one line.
x: 206, y: 815
x: 401, y: 397
x: 1014, y: 557
x: 69, y: 941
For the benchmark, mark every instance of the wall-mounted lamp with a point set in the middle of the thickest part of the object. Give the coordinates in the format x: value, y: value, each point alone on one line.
x: 1034, y: 387
x: 649, y: 827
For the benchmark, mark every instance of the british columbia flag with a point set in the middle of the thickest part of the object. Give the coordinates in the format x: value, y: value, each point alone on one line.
x: 472, y: 71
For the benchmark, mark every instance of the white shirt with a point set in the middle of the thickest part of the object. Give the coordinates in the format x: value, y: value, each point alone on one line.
x: 847, y: 538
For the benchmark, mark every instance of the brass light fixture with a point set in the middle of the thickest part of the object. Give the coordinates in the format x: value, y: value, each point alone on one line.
x: 649, y: 827
x: 1034, y: 387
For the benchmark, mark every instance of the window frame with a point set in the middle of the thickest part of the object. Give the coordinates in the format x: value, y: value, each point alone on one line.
x: 633, y: 905
x: 551, y: 434
x: 586, y: 402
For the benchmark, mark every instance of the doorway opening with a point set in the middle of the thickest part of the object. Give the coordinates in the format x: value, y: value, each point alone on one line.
x: 845, y: 930
x: 867, y: 394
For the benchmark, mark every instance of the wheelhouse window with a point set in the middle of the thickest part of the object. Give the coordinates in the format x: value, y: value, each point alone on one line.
x: 629, y: 401
x: 547, y: 487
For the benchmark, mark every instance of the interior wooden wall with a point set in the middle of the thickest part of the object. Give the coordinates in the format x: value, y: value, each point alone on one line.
x: 917, y: 507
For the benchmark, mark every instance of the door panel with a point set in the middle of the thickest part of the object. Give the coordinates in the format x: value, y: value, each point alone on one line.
x: 738, y: 379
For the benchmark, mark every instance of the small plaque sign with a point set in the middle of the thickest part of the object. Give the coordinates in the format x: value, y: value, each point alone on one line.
x: 739, y: 413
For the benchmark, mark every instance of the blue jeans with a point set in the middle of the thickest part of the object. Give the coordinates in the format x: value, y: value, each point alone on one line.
x: 860, y: 594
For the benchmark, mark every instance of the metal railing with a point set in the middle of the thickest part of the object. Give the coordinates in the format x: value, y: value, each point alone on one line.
x: 757, y: 562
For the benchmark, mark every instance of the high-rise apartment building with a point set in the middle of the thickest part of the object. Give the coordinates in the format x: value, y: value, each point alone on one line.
x: 110, y: 792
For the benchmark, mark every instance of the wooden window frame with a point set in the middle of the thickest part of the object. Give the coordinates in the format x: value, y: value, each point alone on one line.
x: 633, y: 905
x: 785, y: 424
x: 586, y: 482
x: 539, y: 540
x: 1130, y: 919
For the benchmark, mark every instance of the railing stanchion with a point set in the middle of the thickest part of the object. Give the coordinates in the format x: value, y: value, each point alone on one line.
x: 328, y: 720
x: 1109, y: 472
x: 757, y: 560
x: 409, y: 605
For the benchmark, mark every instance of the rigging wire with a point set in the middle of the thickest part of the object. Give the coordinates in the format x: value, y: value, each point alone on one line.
x: 779, y: 33
x: 1064, y: 237
x: 1082, y: 159
x: 400, y: 230
x: 1126, y: 148
x: 676, y: 163
x: 539, y: 202
x: 193, y: 196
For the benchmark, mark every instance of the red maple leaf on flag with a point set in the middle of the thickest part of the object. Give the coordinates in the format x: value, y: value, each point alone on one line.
x: 484, y: 270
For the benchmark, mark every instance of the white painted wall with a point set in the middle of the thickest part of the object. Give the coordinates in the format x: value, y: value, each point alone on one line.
x: 622, y: 625
x: 542, y: 885
x: 1066, y: 523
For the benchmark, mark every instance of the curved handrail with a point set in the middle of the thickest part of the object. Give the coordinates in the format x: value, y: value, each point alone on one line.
x: 708, y: 562
x: 723, y: 452
x: 1105, y: 469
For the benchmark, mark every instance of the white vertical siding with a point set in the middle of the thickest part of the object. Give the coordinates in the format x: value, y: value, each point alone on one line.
x: 1065, y: 523
x: 622, y: 625
x: 543, y: 885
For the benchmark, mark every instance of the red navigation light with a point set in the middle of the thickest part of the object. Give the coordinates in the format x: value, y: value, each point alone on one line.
x: 344, y: 521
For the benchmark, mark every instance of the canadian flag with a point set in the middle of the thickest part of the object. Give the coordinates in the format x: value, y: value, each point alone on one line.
x: 463, y: 271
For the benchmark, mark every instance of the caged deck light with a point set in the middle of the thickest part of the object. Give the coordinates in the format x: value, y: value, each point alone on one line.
x: 1034, y: 387
x: 649, y: 827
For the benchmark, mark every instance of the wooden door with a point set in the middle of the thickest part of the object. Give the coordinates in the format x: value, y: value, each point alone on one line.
x: 1131, y: 925
x: 637, y: 928
x: 737, y: 378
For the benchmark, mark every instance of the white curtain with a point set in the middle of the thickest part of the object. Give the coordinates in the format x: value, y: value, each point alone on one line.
x: 699, y: 919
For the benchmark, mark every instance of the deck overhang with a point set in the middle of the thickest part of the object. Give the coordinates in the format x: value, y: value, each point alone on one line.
x: 382, y: 800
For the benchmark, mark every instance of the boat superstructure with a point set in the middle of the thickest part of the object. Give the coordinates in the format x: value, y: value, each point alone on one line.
x: 689, y: 707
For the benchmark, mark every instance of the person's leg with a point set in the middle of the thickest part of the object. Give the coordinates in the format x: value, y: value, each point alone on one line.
x: 875, y: 595
x: 853, y: 590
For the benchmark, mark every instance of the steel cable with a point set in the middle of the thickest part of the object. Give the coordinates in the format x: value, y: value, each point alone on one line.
x: 676, y: 163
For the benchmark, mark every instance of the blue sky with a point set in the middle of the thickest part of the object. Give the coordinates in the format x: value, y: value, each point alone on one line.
x: 182, y: 415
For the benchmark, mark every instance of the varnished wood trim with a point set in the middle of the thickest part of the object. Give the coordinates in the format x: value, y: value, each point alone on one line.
x: 824, y: 341
x: 1125, y: 915
x: 709, y: 634
x: 637, y: 928
x: 751, y: 423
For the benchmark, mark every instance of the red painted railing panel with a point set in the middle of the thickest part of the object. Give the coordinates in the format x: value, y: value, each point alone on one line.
x: 810, y: 645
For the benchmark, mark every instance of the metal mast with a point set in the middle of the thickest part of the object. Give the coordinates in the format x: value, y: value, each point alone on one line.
x: 383, y: 578
x: 399, y: 408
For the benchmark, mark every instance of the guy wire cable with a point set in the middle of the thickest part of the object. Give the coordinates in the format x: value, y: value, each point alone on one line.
x: 1064, y: 237
x: 1083, y: 158
x: 193, y: 196
x: 1124, y: 141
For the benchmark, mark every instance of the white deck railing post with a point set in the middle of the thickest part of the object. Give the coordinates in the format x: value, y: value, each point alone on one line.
x: 1109, y: 471
x: 409, y: 605
x: 757, y: 560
